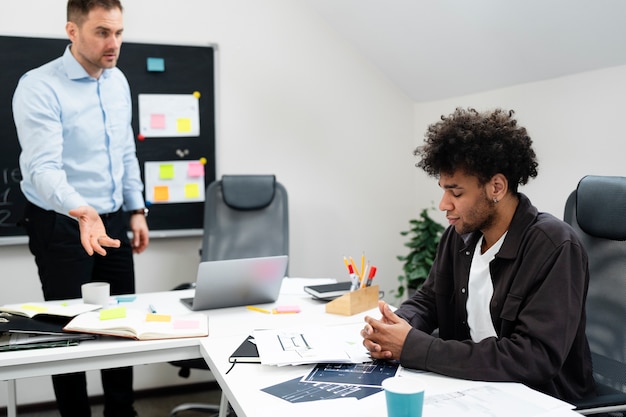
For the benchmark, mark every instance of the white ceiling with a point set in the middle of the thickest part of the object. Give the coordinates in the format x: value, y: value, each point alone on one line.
x: 436, y: 49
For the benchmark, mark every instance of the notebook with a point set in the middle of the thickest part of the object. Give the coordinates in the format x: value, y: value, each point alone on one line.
x: 246, y: 352
x: 237, y: 282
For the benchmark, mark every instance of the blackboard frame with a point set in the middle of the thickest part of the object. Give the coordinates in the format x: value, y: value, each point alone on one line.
x: 188, y: 69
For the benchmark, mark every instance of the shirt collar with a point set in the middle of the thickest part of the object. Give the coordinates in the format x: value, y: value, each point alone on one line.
x: 75, y: 70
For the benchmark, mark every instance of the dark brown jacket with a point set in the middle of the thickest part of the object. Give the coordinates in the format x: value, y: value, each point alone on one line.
x: 540, y: 277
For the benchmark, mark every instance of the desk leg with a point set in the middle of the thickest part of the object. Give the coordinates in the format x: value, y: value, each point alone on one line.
x: 11, y: 398
x: 223, y: 406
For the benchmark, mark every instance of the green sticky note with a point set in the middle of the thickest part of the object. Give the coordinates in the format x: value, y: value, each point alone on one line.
x: 113, y: 313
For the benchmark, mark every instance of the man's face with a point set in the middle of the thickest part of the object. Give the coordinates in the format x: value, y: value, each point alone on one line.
x: 96, y: 42
x: 466, y: 203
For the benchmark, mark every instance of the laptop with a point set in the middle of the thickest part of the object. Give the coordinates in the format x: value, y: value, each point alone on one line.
x: 237, y: 282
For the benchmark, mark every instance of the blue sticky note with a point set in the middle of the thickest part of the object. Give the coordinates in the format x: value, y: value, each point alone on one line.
x: 155, y: 64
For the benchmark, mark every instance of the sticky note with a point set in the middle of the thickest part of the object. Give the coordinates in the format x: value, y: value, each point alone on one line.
x: 39, y: 309
x: 185, y: 324
x: 158, y: 317
x: 183, y: 125
x: 125, y: 298
x: 113, y: 313
x: 155, y: 64
x: 192, y: 190
x: 286, y: 309
x: 195, y: 169
x: 157, y: 121
x: 161, y: 193
x: 166, y: 171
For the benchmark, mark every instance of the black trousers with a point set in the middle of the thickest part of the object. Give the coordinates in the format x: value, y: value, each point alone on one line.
x: 63, y: 267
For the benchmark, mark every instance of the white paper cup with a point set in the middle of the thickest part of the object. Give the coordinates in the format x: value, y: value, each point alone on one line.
x: 404, y: 397
x: 96, y: 293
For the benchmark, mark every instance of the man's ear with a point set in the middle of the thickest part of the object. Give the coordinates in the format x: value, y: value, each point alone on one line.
x: 71, y: 29
x: 498, y: 186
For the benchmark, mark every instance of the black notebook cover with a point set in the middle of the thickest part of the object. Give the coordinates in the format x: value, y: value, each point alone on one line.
x: 246, y: 352
x: 328, y: 292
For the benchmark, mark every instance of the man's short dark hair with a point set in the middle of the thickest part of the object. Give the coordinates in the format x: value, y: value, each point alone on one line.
x: 77, y: 10
x: 481, y: 144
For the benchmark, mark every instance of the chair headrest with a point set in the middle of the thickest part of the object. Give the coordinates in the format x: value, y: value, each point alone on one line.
x: 248, y: 192
x: 601, y: 206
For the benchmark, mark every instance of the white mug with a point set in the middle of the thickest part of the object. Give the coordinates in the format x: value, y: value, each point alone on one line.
x: 96, y: 293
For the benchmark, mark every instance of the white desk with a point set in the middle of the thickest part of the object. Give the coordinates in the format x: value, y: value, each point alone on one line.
x: 103, y: 353
x: 242, y: 385
x: 227, y: 329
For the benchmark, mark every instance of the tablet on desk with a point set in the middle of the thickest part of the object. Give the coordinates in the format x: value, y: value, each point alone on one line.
x: 328, y: 292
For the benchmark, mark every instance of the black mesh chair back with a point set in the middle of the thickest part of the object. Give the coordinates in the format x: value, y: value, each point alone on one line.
x: 245, y: 216
x: 597, y: 211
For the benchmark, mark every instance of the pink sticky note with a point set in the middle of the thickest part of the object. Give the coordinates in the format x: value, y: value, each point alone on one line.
x: 157, y: 121
x: 185, y: 324
x: 195, y: 169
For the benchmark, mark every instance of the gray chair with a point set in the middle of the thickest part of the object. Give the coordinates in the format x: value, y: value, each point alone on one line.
x: 597, y: 211
x: 245, y: 216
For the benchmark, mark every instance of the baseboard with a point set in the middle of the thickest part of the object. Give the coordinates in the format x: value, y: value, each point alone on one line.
x: 145, y: 393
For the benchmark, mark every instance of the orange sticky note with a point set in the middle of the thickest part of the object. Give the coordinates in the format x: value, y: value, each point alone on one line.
x: 158, y: 317
x: 161, y: 193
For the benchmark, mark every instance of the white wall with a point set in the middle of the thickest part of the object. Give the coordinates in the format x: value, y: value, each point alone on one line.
x: 575, y: 122
x: 295, y: 100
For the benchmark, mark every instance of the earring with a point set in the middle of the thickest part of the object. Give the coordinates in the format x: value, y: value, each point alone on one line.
x: 495, y: 200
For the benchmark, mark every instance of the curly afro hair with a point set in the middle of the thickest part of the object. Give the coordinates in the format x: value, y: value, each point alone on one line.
x: 480, y: 144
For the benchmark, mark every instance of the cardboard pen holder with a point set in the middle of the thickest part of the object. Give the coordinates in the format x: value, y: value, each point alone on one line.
x: 354, y: 302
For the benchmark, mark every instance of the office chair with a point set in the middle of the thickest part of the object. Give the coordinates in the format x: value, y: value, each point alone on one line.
x: 597, y: 211
x: 245, y: 216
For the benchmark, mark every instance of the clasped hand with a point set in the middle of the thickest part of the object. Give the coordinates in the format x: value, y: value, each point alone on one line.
x: 385, y: 338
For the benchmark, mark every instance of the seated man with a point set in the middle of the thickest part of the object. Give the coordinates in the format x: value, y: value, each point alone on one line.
x: 508, y: 286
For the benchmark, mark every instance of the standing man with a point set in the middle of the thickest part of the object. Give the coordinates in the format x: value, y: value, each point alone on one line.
x: 508, y: 286
x: 80, y: 175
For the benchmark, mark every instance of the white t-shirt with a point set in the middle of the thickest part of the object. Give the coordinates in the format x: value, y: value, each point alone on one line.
x: 480, y: 291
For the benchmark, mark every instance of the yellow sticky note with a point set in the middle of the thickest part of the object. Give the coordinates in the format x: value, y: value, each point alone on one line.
x: 113, y: 313
x: 158, y: 317
x: 161, y: 193
x: 192, y: 190
x: 39, y: 309
x: 183, y: 125
x: 166, y: 171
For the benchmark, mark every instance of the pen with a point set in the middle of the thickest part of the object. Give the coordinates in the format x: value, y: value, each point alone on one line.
x: 353, y: 278
x: 152, y: 309
x: 370, y: 278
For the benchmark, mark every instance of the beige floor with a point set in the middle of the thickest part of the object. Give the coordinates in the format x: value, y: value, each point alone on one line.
x: 153, y: 404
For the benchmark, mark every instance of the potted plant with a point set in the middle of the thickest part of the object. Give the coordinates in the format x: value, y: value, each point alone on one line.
x: 424, y: 236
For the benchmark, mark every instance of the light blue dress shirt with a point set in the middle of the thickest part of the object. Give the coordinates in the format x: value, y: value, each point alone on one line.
x: 77, y: 141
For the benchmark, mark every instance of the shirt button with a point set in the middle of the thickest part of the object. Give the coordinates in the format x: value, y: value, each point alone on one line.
x: 463, y: 290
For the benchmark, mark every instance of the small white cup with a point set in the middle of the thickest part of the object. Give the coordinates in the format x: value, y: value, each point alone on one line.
x: 404, y: 397
x: 96, y: 293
